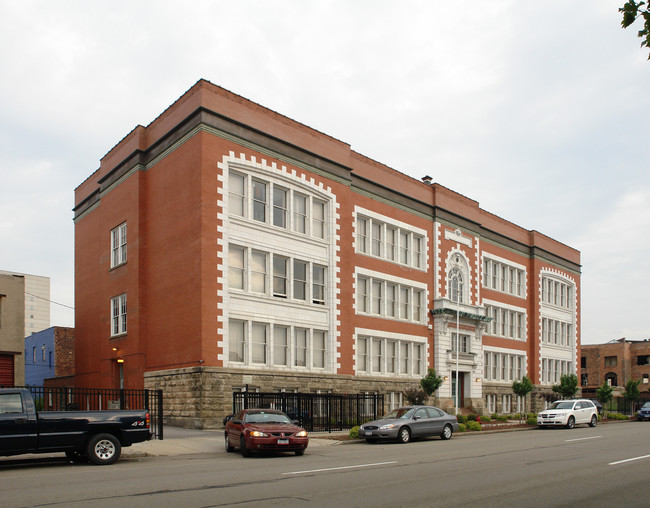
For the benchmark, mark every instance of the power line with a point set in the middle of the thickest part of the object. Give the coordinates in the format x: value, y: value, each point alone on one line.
x: 51, y: 301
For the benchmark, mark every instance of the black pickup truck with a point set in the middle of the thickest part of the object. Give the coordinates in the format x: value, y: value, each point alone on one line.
x: 96, y: 435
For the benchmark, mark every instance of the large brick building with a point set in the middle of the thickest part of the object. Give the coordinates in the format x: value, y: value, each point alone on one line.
x: 616, y: 363
x: 263, y: 253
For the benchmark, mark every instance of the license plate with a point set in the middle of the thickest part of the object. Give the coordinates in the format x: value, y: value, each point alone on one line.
x: 283, y: 441
x: 368, y: 433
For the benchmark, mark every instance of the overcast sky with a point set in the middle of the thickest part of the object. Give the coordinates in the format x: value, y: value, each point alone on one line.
x: 537, y: 110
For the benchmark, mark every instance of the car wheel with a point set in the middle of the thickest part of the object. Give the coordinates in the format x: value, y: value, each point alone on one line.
x: 103, y: 449
x: 371, y: 440
x: 245, y: 452
x: 229, y: 447
x: 447, y: 432
x: 594, y: 421
x: 571, y: 422
x: 300, y: 452
x: 404, y: 435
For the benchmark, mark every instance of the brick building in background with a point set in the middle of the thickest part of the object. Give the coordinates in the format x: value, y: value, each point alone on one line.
x: 616, y: 363
x: 12, y: 329
x: 225, y: 245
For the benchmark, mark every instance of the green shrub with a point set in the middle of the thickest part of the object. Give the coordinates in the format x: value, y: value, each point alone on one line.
x: 484, y: 419
x: 472, y: 417
x: 462, y: 427
x: 354, y: 432
x: 501, y: 418
x: 462, y: 419
x: 617, y: 416
x: 473, y: 425
x: 38, y: 402
x: 532, y: 419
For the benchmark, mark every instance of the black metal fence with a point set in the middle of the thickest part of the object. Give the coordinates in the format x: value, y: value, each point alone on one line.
x: 49, y: 398
x: 316, y: 412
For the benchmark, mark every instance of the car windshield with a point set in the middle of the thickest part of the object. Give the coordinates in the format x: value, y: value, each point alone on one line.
x: 403, y: 413
x: 263, y: 417
x: 646, y: 405
x: 561, y: 405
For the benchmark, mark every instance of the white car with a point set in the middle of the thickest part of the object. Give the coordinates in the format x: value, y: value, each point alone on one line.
x: 568, y: 413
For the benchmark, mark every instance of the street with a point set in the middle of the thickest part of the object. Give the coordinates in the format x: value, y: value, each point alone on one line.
x: 603, y: 466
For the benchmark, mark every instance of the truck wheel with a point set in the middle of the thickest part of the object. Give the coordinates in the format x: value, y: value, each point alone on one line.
x: 104, y: 449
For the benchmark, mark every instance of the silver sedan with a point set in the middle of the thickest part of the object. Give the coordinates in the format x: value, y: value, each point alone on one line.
x: 410, y: 422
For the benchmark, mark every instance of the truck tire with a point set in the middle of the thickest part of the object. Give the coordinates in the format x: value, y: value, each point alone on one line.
x: 103, y: 449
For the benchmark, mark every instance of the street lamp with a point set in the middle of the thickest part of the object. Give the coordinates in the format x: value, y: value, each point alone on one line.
x: 457, y: 330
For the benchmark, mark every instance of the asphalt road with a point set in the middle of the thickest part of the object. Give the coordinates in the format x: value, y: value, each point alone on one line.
x: 608, y: 465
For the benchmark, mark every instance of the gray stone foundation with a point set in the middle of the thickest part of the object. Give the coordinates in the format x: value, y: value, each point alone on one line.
x: 200, y: 397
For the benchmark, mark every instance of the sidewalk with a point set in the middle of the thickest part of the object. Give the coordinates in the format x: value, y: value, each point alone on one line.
x: 180, y: 441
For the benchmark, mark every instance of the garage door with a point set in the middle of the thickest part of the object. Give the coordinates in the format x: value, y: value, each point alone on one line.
x: 6, y: 370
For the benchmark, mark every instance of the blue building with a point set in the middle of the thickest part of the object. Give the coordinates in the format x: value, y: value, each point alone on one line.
x: 39, y: 357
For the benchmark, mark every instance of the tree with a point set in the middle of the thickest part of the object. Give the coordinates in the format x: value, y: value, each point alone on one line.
x: 631, y: 12
x: 604, y: 394
x: 431, y: 382
x: 414, y: 396
x: 631, y: 392
x: 523, y: 388
x: 568, y: 386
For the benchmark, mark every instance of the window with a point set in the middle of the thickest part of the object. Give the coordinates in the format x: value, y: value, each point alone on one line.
x: 259, y: 343
x: 237, y: 339
x: 377, y: 239
x: 645, y: 379
x: 259, y: 201
x: 236, y: 264
x: 300, y: 213
x: 507, y: 404
x: 503, y: 277
x: 455, y: 288
x: 584, y: 380
x: 404, y: 302
x: 118, y: 245
x: 503, y: 367
x: 611, y: 361
x: 318, y: 219
x: 258, y: 272
x: 491, y: 403
x: 318, y: 353
x: 557, y: 293
x: 236, y: 194
x: 318, y: 289
x: 362, y: 295
x: 11, y: 403
x: 300, y: 280
x: 583, y: 362
x: 280, y: 207
x: 464, y: 343
x: 389, y: 356
x: 403, y: 247
x: 391, y: 243
x: 281, y: 343
x: 642, y: 360
x: 280, y: 276
x: 376, y: 307
x: 300, y: 352
x: 362, y: 235
x: 118, y: 313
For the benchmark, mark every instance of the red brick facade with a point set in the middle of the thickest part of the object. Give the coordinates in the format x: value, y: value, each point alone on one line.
x: 234, y: 213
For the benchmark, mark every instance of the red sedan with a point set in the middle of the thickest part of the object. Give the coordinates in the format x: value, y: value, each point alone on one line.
x: 264, y: 430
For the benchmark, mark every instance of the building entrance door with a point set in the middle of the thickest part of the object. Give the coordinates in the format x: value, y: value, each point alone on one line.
x: 461, y: 393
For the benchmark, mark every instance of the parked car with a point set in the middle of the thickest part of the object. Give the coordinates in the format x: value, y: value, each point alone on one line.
x: 96, y: 435
x: 410, y: 422
x: 644, y: 412
x: 264, y: 430
x: 568, y: 413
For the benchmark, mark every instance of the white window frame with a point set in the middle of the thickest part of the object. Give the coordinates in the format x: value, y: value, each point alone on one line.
x: 118, y: 315
x: 118, y: 245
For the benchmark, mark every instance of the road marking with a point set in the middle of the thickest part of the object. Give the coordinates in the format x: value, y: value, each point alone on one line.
x: 341, y: 467
x: 628, y: 460
x: 581, y: 439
